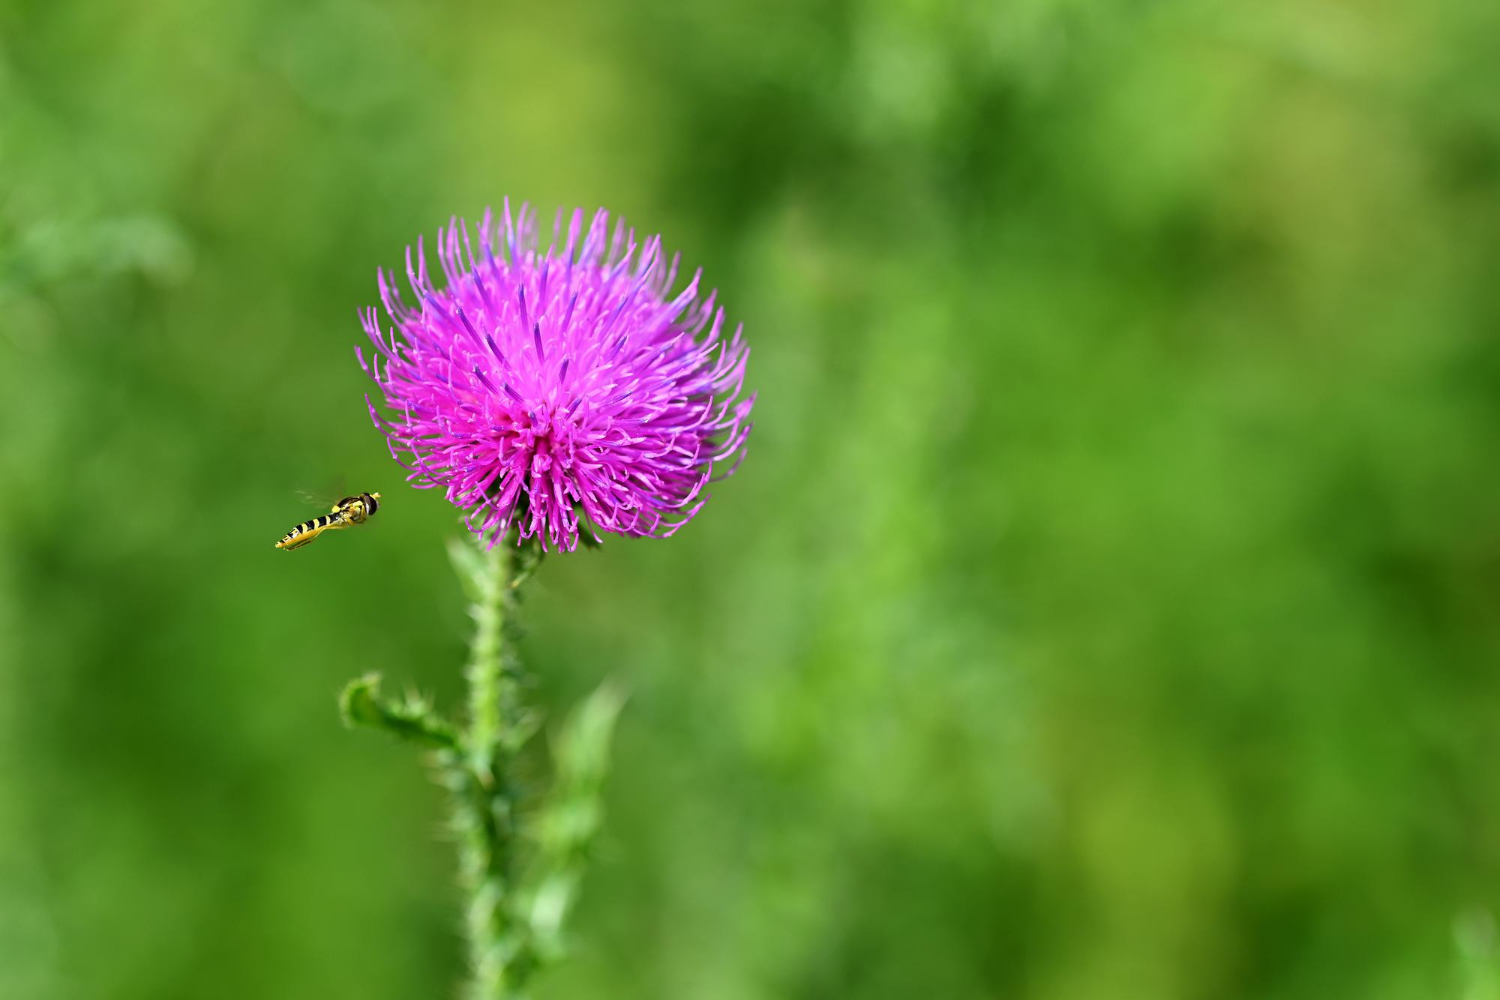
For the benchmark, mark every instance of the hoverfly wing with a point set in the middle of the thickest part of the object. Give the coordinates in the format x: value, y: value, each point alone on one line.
x: 327, y: 498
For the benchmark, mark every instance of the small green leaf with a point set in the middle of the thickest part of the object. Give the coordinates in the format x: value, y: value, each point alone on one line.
x: 571, y: 815
x: 469, y: 563
x: 413, y: 718
x: 583, y: 744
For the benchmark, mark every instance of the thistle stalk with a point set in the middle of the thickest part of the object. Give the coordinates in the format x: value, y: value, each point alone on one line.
x: 515, y: 913
x: 484, y: 790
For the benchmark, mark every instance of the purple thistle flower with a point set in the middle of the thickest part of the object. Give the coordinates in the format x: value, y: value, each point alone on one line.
x: 560, y: 391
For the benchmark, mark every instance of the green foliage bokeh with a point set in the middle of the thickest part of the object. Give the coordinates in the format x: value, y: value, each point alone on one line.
x: 1107, y: 607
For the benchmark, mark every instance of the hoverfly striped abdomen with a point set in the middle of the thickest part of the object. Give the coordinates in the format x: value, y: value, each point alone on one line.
x: 348, y: 511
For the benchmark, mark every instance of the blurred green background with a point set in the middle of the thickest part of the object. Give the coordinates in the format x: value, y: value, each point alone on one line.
x: 1107, y: 607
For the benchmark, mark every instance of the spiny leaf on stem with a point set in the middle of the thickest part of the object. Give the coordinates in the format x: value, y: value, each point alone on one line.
x: 414, y: 718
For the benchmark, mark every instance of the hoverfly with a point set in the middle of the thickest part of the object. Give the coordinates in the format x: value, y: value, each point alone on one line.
x: 346, y: 513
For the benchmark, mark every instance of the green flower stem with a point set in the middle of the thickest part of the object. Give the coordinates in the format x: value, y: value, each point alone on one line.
x: 514, y: 920
x: 500, y: 953
x: 491, y: 692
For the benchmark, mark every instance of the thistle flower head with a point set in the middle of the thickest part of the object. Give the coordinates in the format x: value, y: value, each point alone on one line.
x: 564, y: 390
